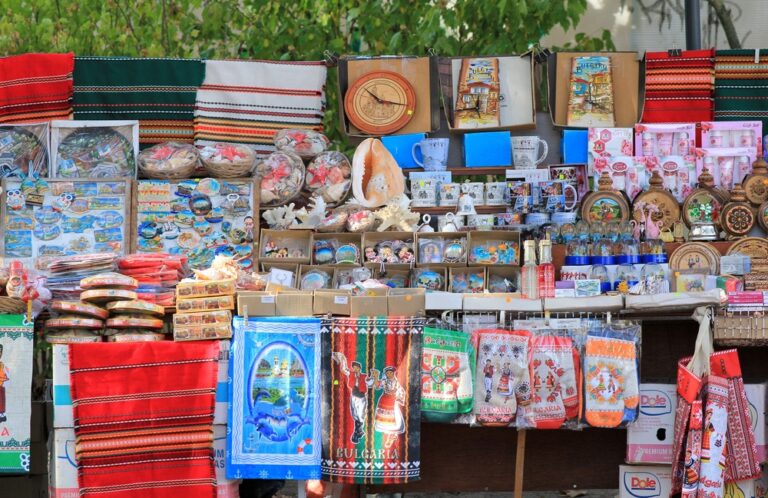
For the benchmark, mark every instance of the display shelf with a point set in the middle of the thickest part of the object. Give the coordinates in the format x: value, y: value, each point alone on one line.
x: 452, y: 209
x: 456, y: 170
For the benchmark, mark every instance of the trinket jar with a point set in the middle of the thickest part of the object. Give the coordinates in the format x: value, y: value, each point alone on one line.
x: 702, y: 209
x: 756, y: 184
x: 330, y: 176
x: 737, y: 217
x: 606, y: 204
x: 282, y: 177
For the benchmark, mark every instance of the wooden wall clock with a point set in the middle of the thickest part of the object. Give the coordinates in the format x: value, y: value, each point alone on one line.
x: 380, y: 103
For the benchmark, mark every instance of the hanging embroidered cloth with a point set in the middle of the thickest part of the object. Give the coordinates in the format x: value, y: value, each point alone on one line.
x: 247, y: 102
x: 447, y: 367
x: 371, y: 402
x: 15, y: 393
x: 143, y: 417
x: 741, y: 85
x: 36, y: 87
x: 679, y: 89
x: 159, y: 93
x: 274, y: 413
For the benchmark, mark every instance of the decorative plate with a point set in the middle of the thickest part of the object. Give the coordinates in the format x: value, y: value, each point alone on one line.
x: 754, y: 247
x: 762, y: 216
x: 604, y: 207
x: 380, y: 102
x: 737, y: 219
x: 695, y: 256
x: 666, y: 209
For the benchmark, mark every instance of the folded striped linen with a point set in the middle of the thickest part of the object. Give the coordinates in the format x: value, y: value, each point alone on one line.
x: 36, y: 87
x: 679, y: 88
x: 741, y: 85
x: 158, y: 92
x: 143, y: 417
x: 247, y: 102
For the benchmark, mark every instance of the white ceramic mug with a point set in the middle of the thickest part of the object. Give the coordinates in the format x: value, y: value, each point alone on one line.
x: 424, y: 192
x: 525, y: 151
x: 449, y: 194
x: 435, y: 153
x: 495, y: 193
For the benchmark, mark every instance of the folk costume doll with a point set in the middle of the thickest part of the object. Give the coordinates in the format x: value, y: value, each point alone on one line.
x: 358, y: 385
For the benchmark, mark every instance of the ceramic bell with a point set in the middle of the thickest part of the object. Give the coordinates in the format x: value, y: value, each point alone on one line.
x: 450, y: 223
x: 425, y: 227
x: 376, y: 177
x: 466, y: 203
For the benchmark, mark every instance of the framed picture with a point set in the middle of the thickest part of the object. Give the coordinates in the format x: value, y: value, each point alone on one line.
x: 199, y: 218
x: 94, y: 149
x: 48, y: 219
x: 24, y: 149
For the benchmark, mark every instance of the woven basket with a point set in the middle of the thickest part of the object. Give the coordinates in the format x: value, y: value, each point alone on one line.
x: 741, y: 329
x: 12, y: 306
x: 176, y: 162
x: 229, y: 169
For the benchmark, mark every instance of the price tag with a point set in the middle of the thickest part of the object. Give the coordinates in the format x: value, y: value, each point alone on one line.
x: 341, y: 300
x: 267, y: 299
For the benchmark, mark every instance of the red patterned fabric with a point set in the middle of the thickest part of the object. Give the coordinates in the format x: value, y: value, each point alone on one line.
x: 679, y: 89
x: 36, y: 87
x: 143, y: 418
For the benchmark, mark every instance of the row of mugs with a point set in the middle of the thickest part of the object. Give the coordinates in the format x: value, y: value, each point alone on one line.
x: 488, y: 221
x: 527, y: 152
x: 429, y: 192
x: 550, y: 196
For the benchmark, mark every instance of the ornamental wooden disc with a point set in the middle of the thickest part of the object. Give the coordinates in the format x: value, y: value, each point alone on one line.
x: 754, y: 247
x: 668, y: 207
x: 695, y: 256
x: 604, y: 207
x: 380, y: 102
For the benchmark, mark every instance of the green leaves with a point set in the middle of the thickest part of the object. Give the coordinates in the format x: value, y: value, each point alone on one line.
x: 300, y: 29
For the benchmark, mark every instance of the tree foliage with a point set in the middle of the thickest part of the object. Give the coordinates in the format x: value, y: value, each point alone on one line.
x: 273, y: 29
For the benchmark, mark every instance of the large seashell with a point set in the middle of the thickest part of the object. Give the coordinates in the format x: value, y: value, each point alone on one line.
x: 376, y: 177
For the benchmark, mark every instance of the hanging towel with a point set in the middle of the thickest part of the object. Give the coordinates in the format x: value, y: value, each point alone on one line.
x: 159, y: 93
x: 679, y: 89
x: 247, y: 102
x: 36, y: 87
x: 741, y: 85
x: 15, y: 393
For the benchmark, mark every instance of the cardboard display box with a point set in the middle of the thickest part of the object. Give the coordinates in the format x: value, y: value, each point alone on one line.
x: 517, y: 98
x: 649, y: 439
x: 340, y: 239
x: 295, y: 241
x: 417, y: 70
x: 62, y: 473
x: 62, y: 400
x: 644, y: 481
x: 625, y: 73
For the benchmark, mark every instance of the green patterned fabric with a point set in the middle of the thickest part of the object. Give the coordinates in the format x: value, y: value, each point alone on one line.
x: 741, y: 86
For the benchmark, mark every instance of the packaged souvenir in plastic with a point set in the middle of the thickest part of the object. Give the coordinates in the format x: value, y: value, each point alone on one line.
x: 136, y: 336
x: 282, y: 177
x: 134, y: 322
x: 502, y: 378
x: 109, y: 280
x: 94, y: 149
x: 329, y: 175
x: 24, y: 150
x: 202, y: 332
x: 429, y: 279
x: 447, y: 368
x: 304, y: 143
x: 107, y: 295
x: 205, y: 288
x: 73, y: 322
x: 202, y: 318
x: 206, y: 304
x: 169, y: 160
x: 80, y: 308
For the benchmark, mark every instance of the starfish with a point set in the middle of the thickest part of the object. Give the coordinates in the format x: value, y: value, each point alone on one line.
x: 278, y: 174
x: 230, y: 152
x: 319, y: 175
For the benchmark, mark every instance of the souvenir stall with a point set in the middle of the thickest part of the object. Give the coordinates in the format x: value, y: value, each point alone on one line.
x: 465, y: 295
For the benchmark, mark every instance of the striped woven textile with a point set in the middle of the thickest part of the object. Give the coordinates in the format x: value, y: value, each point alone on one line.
x: 247, y: 102
x: 159, y: 93
x: 36, y: 88
x: 143, y: 417
x: 741, y: 86
x: 679, y: 89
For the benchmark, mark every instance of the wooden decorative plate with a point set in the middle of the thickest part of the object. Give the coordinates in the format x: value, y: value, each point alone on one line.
x: 605, y: 207
x: 737, y: 219
x: 754, y: 247
x: 666, y: 207
x: 762, y: 216
x: 702, y: 206
x: 695, y: 256
x: 380, y: 102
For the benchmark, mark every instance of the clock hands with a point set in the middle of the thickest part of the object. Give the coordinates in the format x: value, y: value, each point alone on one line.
x: 380, y: 100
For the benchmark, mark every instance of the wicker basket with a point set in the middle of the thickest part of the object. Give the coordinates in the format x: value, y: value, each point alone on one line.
x: 179, y: 161
x: 12, y: 306
x: 223, y: 160
x: 741, y: 329
x: 229, y: 170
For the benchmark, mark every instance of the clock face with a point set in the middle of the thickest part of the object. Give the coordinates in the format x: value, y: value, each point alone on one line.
x: 379, y: 103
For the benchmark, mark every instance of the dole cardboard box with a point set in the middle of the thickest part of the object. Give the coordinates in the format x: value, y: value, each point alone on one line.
x: 649, y: 439
x: 645, y: 481
x: 750, y: 488
x: 758, y: 404
x: 62, y: 400
x: 62, y: 467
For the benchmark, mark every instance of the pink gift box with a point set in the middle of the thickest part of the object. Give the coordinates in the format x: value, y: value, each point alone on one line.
x: 678, y: 172
x: 608, y: 142
x: 665, y: 139
x: 718, y: 134
x: 627, y: 172
x: 729, y: 165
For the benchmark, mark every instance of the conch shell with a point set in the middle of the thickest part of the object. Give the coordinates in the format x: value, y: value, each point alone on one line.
x: 376, y: 177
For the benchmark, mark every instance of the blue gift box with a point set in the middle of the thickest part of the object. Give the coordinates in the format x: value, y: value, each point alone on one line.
x: 574, y: 147
x: 490, y: 148
x: 400, y: 146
